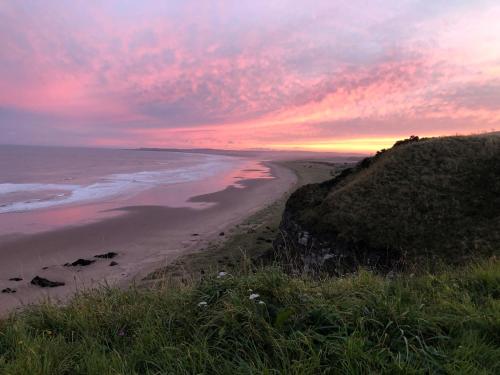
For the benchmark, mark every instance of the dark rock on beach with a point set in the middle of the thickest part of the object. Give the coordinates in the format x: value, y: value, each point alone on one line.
x: 8, y: 290
x: 113, y: 263
x: 80, y: 262
x: 108, y: 255
x: 44, y: 283
x: 15, y: 279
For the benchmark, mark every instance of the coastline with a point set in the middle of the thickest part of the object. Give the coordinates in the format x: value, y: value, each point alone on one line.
x: 145, y: 237
x: 221, y: 323
x: 251, y: 237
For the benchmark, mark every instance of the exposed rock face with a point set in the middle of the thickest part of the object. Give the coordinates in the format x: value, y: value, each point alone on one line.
x: 303, y: 248
x: 424, y: 200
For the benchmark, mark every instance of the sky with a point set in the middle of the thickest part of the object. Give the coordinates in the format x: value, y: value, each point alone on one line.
x: 325, y: 75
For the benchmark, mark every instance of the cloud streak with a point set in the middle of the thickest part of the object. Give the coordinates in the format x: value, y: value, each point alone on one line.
x: 253, y: 74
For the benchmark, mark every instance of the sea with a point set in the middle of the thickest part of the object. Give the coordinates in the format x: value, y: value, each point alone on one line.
x: 45, y: 188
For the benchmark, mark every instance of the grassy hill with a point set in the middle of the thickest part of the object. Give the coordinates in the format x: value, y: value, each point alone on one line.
x: 420, y: 201
x: 360, y: 324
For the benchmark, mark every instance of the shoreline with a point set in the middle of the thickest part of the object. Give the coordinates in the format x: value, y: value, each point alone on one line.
x: 251, y: 238
x: 145, y: 238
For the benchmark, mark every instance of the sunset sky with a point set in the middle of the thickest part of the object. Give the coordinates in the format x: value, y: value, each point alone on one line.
x: 318, y: 75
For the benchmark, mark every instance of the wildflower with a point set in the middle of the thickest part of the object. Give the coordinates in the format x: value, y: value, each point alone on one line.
x: 202, y: 304
x: 262, y: 303
x: 221, y: 274
x: 254, y: 296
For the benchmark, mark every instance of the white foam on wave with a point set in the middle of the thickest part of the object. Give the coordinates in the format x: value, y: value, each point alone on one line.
x: 113, y: 185
x: 15, y: 188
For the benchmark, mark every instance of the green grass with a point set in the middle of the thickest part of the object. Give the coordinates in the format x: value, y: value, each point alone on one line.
x: 359, y: 324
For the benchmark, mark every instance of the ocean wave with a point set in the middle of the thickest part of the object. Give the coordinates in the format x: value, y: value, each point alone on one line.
x: 111, y: 186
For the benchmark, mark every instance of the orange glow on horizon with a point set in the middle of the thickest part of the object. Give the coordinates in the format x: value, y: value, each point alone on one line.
x: 361, y: 145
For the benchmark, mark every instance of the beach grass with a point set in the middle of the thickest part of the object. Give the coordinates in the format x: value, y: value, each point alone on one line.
x: 267, y: 322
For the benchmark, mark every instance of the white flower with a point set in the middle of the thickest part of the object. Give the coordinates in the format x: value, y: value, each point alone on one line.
x: 221, y: 274
x: 262, y: 303
x: 253, y: 296
x: 202, y: 304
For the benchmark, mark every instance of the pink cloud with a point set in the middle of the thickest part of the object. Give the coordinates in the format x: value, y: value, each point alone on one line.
x: 186, y: 74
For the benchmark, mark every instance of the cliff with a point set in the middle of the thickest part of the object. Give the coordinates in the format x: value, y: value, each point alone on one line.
x: 434, y: 200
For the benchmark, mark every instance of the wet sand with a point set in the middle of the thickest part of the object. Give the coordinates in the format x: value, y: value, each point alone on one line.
x: 145, y: 238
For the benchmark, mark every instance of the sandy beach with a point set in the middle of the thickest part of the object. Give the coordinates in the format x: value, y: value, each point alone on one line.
x: 144, y: 237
